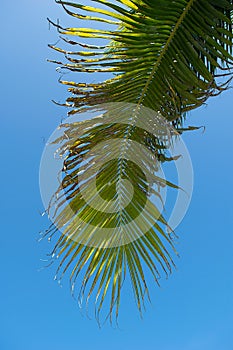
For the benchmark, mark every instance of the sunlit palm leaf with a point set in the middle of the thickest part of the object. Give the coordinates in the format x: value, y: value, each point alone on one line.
x: 164, y: 56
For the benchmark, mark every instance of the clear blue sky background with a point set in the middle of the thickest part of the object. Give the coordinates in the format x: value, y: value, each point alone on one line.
x: 193, y: 310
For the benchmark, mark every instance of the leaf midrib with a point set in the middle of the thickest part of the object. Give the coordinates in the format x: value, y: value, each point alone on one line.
x: 163, y: 52
x: 156, y: 66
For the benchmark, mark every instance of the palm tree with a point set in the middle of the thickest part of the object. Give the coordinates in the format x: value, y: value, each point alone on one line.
x: 164, y: 56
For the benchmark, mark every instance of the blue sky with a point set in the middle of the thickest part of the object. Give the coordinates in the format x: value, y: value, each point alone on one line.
x: 193, y: 309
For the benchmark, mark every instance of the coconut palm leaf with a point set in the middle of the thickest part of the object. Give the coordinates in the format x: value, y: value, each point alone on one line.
x: 163, y: 55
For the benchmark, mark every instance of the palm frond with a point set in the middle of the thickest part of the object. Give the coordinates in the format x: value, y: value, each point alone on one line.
x: 163, y: 55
